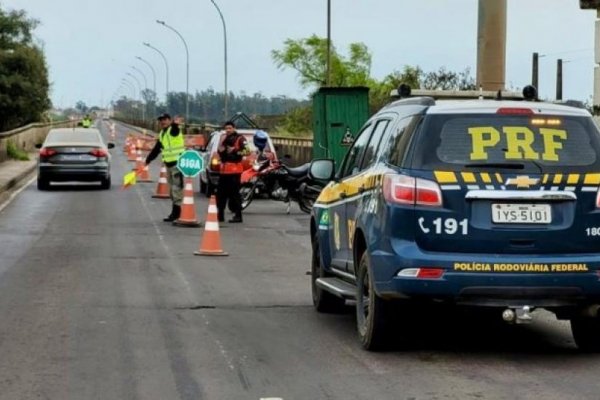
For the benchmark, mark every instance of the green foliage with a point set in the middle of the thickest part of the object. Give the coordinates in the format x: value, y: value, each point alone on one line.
x: 15, y: 153
x: 308, y: 57
x: 24, y: 84
x: 297, y: 122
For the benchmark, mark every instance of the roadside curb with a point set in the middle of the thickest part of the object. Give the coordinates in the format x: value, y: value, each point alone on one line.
x: 12, y: 183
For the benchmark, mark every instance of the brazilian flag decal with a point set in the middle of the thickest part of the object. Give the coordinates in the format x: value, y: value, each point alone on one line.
x: 324, y: 220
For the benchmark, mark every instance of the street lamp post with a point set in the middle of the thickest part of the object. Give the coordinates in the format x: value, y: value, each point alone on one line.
x: 135, y: 78
x: 133, y: 91
x: 226, y: 111
x: 187, y: 85
x: 166, y: 68
x: 154, y: 80
x: 145, y: 92
x: 328, y: 42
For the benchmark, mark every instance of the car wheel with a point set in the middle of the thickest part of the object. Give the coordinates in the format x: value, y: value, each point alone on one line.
x: 202, y: 186
x: 586, y: 332
x: 323, y: 301
x: 43, y: 184
x: 372, y: 312
x: 105, y: 184
x: 209, y: 189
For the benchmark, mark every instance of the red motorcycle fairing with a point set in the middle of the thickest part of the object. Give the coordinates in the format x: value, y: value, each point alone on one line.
x: 248, y: 175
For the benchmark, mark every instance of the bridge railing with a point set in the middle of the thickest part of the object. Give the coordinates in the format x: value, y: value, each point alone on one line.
x: 26, y: 137
x: 299, y: 149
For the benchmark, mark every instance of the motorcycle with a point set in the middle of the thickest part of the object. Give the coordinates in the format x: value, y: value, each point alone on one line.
x: 280, y: 183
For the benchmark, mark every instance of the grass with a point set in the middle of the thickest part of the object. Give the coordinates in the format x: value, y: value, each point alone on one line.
x: 16, y: 154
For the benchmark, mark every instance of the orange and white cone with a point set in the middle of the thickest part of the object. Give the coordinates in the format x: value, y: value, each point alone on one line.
x: 132, y: 153
x: 162, y: 189
x: 188, y: 208
x: 144, y: 175
x: 211, y: 240
x: 139, y: 162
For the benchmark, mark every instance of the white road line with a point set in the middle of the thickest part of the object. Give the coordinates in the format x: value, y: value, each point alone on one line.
x: 16, y: 193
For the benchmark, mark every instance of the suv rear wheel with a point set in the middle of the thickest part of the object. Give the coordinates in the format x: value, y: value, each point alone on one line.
x: 586, y: 332
x: 323, y: 301
x: 372, y: 312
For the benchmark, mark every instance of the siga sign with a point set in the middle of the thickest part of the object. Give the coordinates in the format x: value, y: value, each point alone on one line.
x: 190, y: 163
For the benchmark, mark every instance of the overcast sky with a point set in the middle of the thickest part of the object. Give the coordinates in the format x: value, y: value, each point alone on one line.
x: 91, y: 44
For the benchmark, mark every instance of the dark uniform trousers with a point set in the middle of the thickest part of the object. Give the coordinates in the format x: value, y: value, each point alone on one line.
x: 229, y: 190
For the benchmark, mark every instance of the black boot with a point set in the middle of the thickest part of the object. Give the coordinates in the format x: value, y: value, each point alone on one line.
x: 175, y: 212
x: 221, y: 216
x: 236, y: 219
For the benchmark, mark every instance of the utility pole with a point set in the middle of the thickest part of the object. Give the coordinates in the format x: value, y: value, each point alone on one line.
x: 595, y: 5
x: 226, y: 111
x: 328, y: 43
x: 559, y: 79
x: 491, y: 45
x: 535, y: 79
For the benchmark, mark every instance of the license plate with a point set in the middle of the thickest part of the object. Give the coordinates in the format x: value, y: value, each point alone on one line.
x: 521, y: 213
x: 76, y: 157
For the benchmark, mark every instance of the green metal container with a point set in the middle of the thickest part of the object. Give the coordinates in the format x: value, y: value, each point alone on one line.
x: 338, y: 115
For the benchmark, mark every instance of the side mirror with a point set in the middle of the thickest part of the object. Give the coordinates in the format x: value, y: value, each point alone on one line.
x: 110, y: 145
x: 322, y: 170
x: 38, y: 145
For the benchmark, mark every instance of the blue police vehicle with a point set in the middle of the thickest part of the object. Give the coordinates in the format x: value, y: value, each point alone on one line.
x: 488, y: 202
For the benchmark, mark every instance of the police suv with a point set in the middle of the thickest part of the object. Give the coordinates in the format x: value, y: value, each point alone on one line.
x: 488, y: 202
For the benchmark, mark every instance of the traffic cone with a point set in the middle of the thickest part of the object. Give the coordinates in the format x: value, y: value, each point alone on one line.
x: 162, y: 189
x: 211, y: 240
x: 144, y: 176
x: 139, y: 162
x: 188, y: 208
x: 132, y: 153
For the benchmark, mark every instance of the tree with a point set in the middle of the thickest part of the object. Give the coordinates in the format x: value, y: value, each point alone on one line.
x: 81, y: 107
x: 24, y: 84
x: 443, y: 79
x: 308, y: 57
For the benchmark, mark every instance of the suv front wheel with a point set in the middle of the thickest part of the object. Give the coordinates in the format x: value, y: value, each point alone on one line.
x: 323, y: 301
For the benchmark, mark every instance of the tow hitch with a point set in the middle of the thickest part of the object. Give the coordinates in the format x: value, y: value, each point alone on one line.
x: 520, y: 315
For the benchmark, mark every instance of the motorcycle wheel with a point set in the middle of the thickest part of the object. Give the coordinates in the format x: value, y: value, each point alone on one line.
x: 247, y: 194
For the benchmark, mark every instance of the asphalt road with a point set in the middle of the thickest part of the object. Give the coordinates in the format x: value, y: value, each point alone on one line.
x: 99, y: 299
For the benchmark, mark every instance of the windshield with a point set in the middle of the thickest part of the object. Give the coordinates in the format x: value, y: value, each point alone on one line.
x: 531, y: 143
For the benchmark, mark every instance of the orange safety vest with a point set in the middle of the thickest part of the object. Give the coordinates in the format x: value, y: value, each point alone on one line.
x: 231, y: 168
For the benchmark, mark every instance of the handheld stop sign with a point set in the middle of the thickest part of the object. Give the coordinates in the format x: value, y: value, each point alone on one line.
x: 190, y: 163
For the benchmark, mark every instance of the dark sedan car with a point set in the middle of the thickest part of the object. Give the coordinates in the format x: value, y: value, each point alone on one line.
x: 69, y: 155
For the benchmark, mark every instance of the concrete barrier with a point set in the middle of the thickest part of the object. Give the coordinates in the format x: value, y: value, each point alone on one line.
x: 25, y: 138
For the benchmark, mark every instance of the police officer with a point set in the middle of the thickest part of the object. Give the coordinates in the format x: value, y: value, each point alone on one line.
x: 170, y: 144
x: 232, y: 152
x: 87, y: 122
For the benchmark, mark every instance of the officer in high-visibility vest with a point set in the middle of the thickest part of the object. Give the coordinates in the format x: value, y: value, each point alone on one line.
x: 170, y: 144
x: 87, y: 122
x: 232, y: 152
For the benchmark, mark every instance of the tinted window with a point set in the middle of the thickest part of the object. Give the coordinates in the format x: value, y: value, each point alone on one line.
x: 90, y: 137
x: 539, y: 142
x: 371, y: 151
x: 355, y: 155
x: 399, y: 140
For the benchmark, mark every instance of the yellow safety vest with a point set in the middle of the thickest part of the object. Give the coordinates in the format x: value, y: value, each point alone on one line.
x: 172, y: 147
x: 87, y: 123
